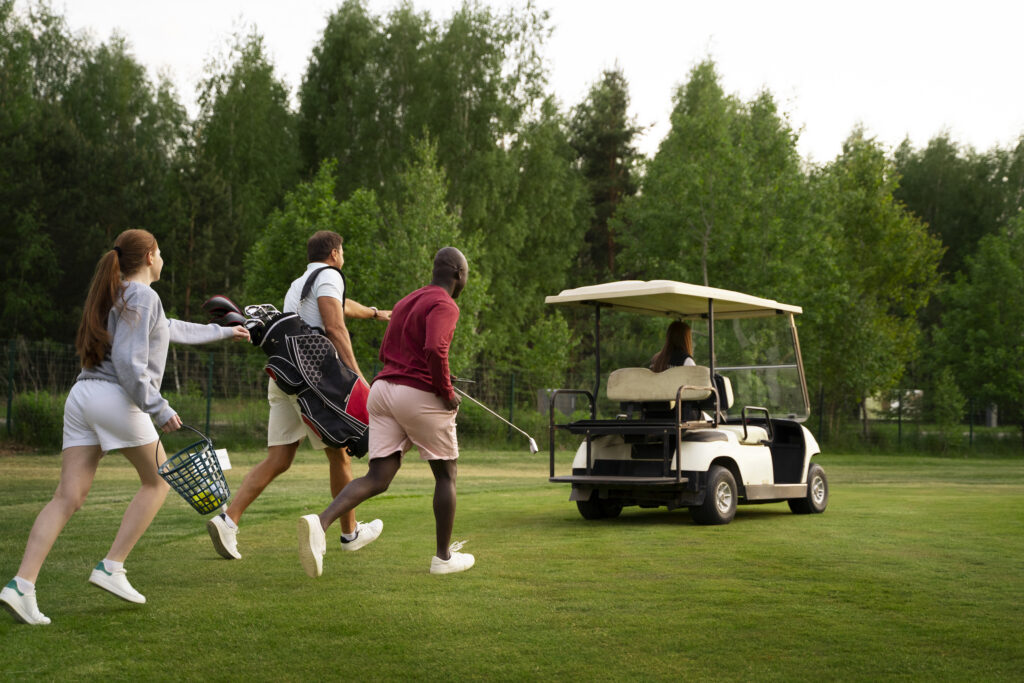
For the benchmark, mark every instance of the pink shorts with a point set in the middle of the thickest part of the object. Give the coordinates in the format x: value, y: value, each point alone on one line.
x: 402, y: 417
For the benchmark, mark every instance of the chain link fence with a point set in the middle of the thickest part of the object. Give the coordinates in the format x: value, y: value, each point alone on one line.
x: 221, y: 389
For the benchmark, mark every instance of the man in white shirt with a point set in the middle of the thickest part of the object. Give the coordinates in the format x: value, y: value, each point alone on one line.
x: 326, y: 307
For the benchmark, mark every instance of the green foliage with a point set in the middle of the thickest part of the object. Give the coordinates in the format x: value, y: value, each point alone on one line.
x: 246, y: 158
x: 980, y: 337
x: 866, y: 290
x: 37, y: 419
x: 603, y: 137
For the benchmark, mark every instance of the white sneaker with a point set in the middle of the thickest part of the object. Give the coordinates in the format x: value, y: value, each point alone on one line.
x: 225, y: 539
x: 312, y: 545
x: 365, y: 535
x: 457, y: 562
x: 116, y: 582
x: 22, y: 606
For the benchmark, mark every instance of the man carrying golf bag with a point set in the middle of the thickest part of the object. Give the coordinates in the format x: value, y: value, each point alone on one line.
x: 412, y: 402
x: 318, y: 299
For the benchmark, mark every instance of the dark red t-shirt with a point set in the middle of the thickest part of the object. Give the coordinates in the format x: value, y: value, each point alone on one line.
x: 415, y: 346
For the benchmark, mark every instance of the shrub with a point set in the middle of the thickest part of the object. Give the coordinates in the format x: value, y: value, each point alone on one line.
x: 37, y: 419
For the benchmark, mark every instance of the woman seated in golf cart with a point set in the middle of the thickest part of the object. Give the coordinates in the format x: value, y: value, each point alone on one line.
x: 678, y: 348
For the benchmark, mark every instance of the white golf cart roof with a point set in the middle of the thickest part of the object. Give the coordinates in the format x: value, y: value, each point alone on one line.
x: 671, y: 299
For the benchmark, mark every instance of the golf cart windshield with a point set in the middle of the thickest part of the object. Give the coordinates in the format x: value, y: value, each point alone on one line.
x: 752, y: 341
x: 760, y: 358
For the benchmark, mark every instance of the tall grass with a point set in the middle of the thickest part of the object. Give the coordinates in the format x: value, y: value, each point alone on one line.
x: 914, y: 572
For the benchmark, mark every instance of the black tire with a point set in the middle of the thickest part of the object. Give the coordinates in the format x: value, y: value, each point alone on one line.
x: 816, y: 499
x: 598, y: 508
x: 719, y: 506
x: 611, y: 508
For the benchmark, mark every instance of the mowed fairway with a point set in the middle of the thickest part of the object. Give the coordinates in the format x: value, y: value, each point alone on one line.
x: 916, y: 571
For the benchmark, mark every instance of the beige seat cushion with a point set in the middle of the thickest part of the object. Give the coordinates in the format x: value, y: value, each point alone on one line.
x: 641, y: 384
x: 755, y: 434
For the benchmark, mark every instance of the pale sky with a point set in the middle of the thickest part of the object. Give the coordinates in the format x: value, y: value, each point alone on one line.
x: 902, y: 68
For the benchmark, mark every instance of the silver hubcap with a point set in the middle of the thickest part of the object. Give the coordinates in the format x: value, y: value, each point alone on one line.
x: 723, y: 497
x: 818, y: 490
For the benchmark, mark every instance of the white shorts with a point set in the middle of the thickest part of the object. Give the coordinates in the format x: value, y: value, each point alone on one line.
x: 401, y: 417
x: 285, y: 425
x: 100, y: 413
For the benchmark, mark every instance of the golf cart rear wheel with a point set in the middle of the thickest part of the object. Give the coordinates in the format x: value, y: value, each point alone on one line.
x: 816, y: 499
x: 598, y: 508
x: 719, y: 506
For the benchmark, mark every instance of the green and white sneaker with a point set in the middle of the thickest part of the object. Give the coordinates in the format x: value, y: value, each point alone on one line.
x: 22, y: 606
x: 115, y: 582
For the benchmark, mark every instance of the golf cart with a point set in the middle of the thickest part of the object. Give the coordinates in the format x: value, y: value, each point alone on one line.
x: 676, y: 438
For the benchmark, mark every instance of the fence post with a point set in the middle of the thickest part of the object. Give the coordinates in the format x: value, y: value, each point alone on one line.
x: 511, y: 403
x: 899, y: 421
x: 209, y: 390
x: 10, y: 382
x: 970, y: 441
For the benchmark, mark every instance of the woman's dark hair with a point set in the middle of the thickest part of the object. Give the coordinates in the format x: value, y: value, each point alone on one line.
x: 128, y: 255
x: 321, y: 244
x: 678, y: 337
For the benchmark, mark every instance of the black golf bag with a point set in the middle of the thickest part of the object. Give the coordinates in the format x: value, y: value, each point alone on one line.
x: 305, y: 364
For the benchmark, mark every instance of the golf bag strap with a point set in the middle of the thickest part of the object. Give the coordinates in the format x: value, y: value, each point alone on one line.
x: 311, y: 280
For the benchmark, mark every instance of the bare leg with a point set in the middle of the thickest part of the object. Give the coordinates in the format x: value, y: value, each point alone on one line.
x: 375, y: 481
x: 77, y: 470
x: 445, y: 472
x: 147, y: 501
x: 340, y: 464
x: 278, y: 460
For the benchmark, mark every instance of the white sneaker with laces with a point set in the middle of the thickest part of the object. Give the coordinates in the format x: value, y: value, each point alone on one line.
x: 116, y: 582
x: 457, y: 562
x: 312, y: 545
x: 365, y: 535
x: 22, y: 606
x: 225, y: 539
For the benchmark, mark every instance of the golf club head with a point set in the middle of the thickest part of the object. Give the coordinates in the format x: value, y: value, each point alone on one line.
x: 229, y: 319
x: 533, y: 446
x: 219, y: 304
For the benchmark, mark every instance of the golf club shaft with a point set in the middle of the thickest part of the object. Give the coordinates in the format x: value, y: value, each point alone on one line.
x: 492, y: 412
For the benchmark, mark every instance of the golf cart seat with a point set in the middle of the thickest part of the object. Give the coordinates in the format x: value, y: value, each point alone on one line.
x: 752, y: 436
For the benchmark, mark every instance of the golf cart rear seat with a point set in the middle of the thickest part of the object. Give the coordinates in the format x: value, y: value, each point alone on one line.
x: 640, y: 385
x: 653, y: 394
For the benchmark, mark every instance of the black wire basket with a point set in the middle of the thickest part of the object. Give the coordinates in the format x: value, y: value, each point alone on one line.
x: 195, y: 473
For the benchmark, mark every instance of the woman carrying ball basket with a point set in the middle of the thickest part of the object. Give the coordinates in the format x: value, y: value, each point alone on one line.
x: 122, y: 342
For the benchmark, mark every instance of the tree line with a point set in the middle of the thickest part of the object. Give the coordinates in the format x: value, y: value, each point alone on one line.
x: 411, y: 132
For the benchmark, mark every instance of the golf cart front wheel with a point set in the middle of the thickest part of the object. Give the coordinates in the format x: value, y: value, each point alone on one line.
x: 719, y: 506
x: 816, y: 499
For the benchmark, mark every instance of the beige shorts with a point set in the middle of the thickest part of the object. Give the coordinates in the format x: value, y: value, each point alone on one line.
x: 402, y: 417
x: 285, y: 425
x: 100, y: 413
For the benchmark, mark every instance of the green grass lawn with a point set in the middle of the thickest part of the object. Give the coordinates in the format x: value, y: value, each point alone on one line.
x: 915, y: 571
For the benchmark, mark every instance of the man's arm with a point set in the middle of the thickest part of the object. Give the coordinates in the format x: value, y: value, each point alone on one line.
x: 354, y: 309
x: 333, y: 315
x: 440, y: 328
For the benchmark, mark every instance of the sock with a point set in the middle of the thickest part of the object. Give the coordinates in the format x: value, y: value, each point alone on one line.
x: 112, y: 566
x: 227, y: 520
x: 350, y: 537
x: 24, y: 586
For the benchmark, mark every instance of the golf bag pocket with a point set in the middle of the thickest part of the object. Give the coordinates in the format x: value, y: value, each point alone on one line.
x: 339, y: 430
x: 284, y: 372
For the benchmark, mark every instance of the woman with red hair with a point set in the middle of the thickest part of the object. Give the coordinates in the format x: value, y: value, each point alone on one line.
x: 122, y: 342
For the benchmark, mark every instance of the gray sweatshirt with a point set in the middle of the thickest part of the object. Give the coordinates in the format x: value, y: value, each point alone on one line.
x: 141, y: 332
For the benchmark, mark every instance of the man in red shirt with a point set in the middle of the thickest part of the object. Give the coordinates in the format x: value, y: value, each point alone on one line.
x: 411, y: 402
